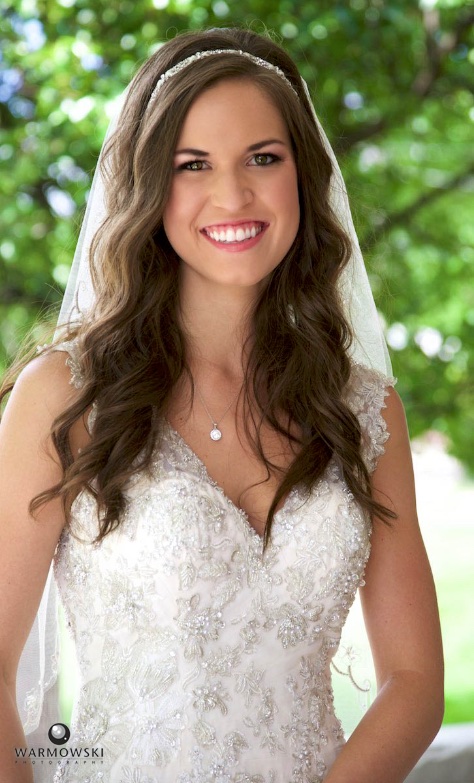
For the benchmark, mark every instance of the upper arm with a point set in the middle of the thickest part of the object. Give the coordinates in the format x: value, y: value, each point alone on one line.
x: 398, y: 599
x: 29, y: 464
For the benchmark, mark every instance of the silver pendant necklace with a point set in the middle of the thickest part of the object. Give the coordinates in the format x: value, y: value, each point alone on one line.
x: 215, y: 433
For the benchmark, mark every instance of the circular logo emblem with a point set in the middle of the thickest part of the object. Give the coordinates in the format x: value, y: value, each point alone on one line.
x: 59, y: 733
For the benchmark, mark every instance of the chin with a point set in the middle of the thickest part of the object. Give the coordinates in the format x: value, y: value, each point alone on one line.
x: 246, y: 281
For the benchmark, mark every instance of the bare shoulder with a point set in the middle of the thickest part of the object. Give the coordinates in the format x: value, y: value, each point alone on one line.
x: 45, y: 388
x: 47, y: 378
x: 41, y: 393
x: 393, y: 413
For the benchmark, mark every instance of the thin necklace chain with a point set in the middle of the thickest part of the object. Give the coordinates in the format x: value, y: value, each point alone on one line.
x: 216, y: 434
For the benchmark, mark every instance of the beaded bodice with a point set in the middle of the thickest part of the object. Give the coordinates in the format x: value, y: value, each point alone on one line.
x: 202, y: 660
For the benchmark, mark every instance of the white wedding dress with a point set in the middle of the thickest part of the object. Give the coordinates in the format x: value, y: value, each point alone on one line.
x: 200, y: 660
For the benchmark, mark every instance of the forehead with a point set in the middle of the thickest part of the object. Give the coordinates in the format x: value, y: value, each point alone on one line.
x: 231, y: 110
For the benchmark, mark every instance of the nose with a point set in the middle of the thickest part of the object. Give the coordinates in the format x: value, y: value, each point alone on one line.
x: 231, y: 190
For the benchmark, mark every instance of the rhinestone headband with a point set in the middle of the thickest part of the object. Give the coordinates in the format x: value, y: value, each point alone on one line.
x: 200, y: 56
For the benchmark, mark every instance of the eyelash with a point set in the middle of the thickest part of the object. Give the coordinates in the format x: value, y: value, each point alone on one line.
x: 275, y: 159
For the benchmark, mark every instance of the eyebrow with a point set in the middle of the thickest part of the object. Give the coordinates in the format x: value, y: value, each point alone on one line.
x: 252, y: 148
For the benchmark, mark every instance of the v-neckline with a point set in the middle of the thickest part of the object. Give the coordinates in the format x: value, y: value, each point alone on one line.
x: 205, y: 473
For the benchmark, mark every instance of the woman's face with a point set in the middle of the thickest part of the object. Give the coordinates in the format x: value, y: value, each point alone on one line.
x: 233, y: 211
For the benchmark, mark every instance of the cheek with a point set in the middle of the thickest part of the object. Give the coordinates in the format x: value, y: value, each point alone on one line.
x: 182, y: 208
x: 172, y: 218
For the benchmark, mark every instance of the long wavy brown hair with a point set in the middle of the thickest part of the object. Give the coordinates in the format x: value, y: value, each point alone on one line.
x: 133, y: 351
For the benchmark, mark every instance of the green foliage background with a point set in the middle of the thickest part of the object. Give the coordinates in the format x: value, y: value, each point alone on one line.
x: 393, y: 84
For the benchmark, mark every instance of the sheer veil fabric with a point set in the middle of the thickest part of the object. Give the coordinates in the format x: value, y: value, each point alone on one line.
x: 37, y: 686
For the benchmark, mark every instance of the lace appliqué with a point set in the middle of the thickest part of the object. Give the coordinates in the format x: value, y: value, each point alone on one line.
x: 73, y: 361
x: 367, y: 392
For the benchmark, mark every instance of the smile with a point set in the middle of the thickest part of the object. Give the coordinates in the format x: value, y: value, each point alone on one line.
x: 233, y: 234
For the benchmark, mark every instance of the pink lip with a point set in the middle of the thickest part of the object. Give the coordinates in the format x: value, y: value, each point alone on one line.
x: 236, y: 247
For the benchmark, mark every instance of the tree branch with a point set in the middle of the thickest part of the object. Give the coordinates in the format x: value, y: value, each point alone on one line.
x: 424, y: 81
x: 13, y: 295
x: 405, y: 216
x: 343, y: 144
x: 438, y: 47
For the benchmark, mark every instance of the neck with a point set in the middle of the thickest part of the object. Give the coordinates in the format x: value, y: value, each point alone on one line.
x: 216, y: 321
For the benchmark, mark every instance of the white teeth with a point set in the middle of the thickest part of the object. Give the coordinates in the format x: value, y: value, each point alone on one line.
x: 237, y: 235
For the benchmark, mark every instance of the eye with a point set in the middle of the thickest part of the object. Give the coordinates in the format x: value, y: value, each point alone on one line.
x: 265, y: 158
x: 192, y: 165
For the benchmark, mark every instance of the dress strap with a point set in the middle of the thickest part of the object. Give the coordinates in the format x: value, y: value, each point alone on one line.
x: 365, y: 396
x: 71, y: 347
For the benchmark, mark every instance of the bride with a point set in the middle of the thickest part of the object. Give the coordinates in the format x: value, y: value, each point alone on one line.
x: 213, y: 455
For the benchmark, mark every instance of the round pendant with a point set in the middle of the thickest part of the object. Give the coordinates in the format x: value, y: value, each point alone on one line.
x: 215, y: 434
